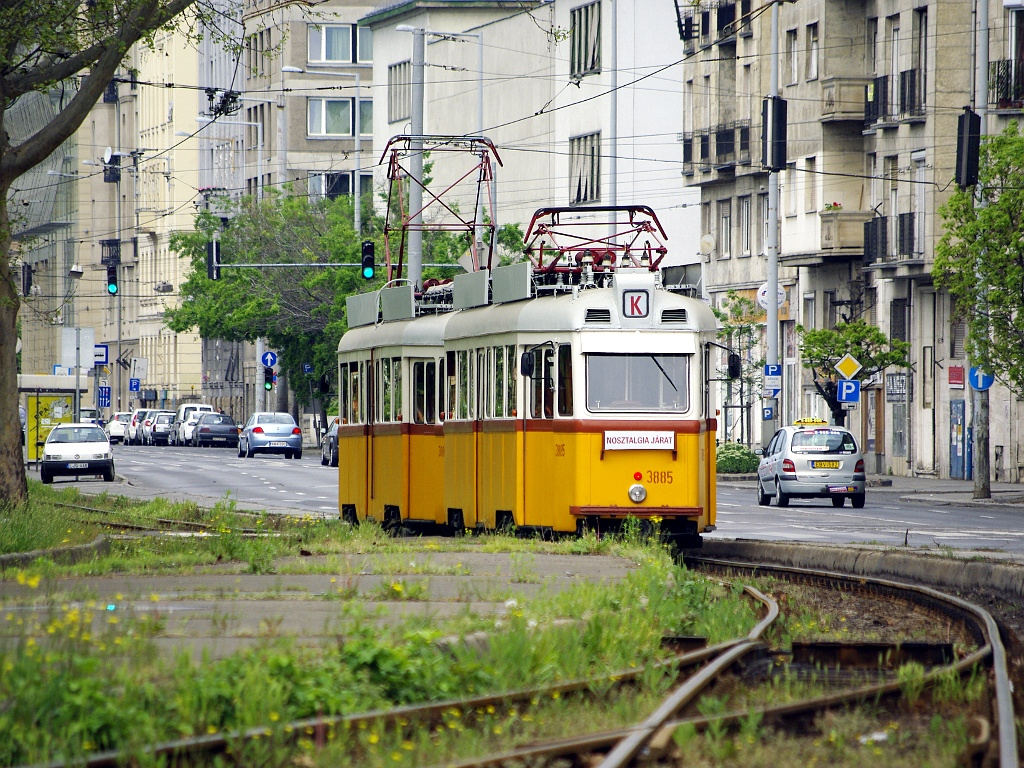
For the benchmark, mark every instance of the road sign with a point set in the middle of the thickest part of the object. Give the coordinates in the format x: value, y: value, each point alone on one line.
x: 269, y: 359
x: 848, y: 366
x: 768, y: 413
x: 762, y: 295
x: 101, y: 354
x: 307, y: 367
x: 772, y: 380
x: 848, y: 391
x: 980, y: 380
x: 133, y: 385
x: 103, y: 397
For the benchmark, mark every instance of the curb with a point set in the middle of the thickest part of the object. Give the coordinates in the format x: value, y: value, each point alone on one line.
x: 946, y: 572
x: 59, y: 555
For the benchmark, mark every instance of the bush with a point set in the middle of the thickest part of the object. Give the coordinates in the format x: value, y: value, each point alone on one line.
x: 736, y: 458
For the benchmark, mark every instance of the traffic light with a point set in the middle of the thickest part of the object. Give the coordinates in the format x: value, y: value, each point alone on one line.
x: 112, y: 279
x: 968, y: 143
x: 213, y: 260
x: 369, y: 267
x: 268, y: 378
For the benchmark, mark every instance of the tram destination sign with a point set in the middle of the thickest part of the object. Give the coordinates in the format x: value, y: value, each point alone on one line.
x: 642, y: 440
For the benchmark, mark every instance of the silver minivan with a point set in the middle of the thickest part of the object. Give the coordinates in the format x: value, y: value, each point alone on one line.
x: 811, y: 460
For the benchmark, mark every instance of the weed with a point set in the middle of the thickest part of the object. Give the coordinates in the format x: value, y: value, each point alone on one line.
x: 911, y: 680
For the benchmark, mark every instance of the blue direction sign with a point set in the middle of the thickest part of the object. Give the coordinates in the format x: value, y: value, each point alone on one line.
x: 133, y: 385
x: 269, y: 359
x: 307, y: 367
x: 103, y: 397
x: 849, y: 391
x: 981, y: 380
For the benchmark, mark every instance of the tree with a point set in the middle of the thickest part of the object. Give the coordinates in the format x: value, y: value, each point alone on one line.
x: 741, y: 323
x: 299, y: 311
x: 43, y: 46
x: 822, y: 349
x: 980, y: 259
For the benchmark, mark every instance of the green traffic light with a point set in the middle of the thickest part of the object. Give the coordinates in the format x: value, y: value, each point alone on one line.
x: 368, y: 271
x: 112, y: 289
x: 268, y: 385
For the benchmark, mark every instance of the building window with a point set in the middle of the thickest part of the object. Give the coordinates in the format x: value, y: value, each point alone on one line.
x: 724, y: 229
x: 330, y: 42
x: 585, y: 40
x: 812, y: 51
x: 585, y: 169
x: 329, y: 117
x: 808, y: 312
x: 331, y: 184
x: 364, y: 44
x: 745, y: 222
x: 872, y: 43
x: 791, y: 196
x: 762, y: 213
x: 810, y: 184
x: 792, y: 56
x: 399, y: 91
x: 366, y: 117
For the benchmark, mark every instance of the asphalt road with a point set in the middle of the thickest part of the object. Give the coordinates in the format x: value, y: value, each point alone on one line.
x: 893, y: 516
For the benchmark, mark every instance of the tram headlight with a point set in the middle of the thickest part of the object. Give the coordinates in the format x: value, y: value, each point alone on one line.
x: 637, y: 493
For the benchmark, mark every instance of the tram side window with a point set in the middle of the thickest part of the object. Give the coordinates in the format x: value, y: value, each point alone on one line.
x: 564, y: 380
x: 424, y: 386
x: 363, y: 389
x: 442, y: 389
x: 462, y: 392
x: 396, y: 385
x: 498, y: 354
x: 429, y: 409
x: 383, y: 390
x: 355, y: 399
x: 510, y: 379
x: 638, y: 383
x: 343, y: 393
x: 542, y: 400
x: 452, y: 388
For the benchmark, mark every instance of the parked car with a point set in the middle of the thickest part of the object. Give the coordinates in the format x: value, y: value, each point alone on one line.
x: 811, y: 460
x: 160, y: 431
x: 147, y: 425
x: 133, y: 434
x: 215, y: 429
x: 270, y: 432
x: 89, y: 415
x: 329, y: 445
x: 185, y: 410
x: 77, y: 449
x: 118, y: 425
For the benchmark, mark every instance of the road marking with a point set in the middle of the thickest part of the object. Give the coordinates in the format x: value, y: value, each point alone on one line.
x: 986, y: 517
x: 723, y: 504
x: 300, y: 493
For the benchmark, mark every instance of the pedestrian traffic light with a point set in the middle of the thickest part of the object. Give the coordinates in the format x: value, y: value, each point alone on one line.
x: 268, y: 378
x: 369, y: 267
x: 112, y: 279
x: 213, y: 260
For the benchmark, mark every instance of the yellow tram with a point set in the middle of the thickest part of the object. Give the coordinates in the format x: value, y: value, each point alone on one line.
x: 546, y: 399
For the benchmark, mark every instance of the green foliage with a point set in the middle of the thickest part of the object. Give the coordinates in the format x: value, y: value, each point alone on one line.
x: 736, y: 458
x: 980, y: 259
x: 823, y: 348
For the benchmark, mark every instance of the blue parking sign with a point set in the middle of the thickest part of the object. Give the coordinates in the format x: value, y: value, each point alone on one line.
x: 133, y: 385
x: 848, y: 391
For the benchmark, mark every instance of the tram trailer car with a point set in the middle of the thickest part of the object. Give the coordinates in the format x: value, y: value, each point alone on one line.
x: 555, y: 414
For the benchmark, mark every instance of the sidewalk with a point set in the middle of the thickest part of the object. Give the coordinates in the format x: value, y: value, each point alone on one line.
x: 919, y: 490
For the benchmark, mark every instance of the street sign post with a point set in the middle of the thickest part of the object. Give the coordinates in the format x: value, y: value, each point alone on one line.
x: 772, y: 380
x: 269, y: 359
x: 133, y: 385
x: 980, y: 380
x: 848, y: 366
x: 101, y: 354
x: 103, y: 396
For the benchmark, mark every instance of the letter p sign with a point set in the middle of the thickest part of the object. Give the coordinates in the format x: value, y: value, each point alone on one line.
x: 849, y: 391
x: 636, y: 304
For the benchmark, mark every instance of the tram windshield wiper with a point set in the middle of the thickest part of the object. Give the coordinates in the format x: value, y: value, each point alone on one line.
x: 665, y: 374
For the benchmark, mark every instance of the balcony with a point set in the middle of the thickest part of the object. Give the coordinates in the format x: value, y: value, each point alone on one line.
x: 842, y: 232
x: 880, y: 105
x: 703, y: 141
x: 1006, y: 85
x: 842, y: 99
x: 912, y: 85
x: 686, y: 139
x: 890, y: 241
x: 725, y: 146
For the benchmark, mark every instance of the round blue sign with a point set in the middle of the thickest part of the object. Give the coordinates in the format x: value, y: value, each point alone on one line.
x: 269, y: 359
x: 980, y: 380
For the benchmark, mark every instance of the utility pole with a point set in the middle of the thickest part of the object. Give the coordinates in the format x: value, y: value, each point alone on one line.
x: 982, y: 468
x: 772, y: 244
x: 416, y: 162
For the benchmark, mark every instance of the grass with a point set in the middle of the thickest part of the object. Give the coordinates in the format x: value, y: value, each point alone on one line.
x: 80, y: 675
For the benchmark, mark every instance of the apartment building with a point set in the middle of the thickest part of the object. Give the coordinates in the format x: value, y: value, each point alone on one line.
x: 873, y: 91
x: 581, y: 100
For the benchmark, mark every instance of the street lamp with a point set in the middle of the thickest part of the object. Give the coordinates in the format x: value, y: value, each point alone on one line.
x: 358, y: 129
x: 259, y: 141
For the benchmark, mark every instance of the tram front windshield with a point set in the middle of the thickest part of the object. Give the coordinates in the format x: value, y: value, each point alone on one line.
x: 638, y: 383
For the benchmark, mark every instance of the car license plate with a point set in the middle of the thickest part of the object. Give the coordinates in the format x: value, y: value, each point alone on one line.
x: 824, y: 465
x: 80, y: 465
x: 219, y: 438
x: 278, y: 444
x: 841, y: 489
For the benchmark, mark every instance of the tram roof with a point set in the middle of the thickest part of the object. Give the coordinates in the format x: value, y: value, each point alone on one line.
x: 425, y: 331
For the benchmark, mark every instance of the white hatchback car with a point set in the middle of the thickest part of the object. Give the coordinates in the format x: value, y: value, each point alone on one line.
x: 811, y: 460
x: 117, y: 426
x: 77, y: 449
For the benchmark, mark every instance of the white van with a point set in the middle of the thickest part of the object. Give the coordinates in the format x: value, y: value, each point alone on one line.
x: 176, y: 436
